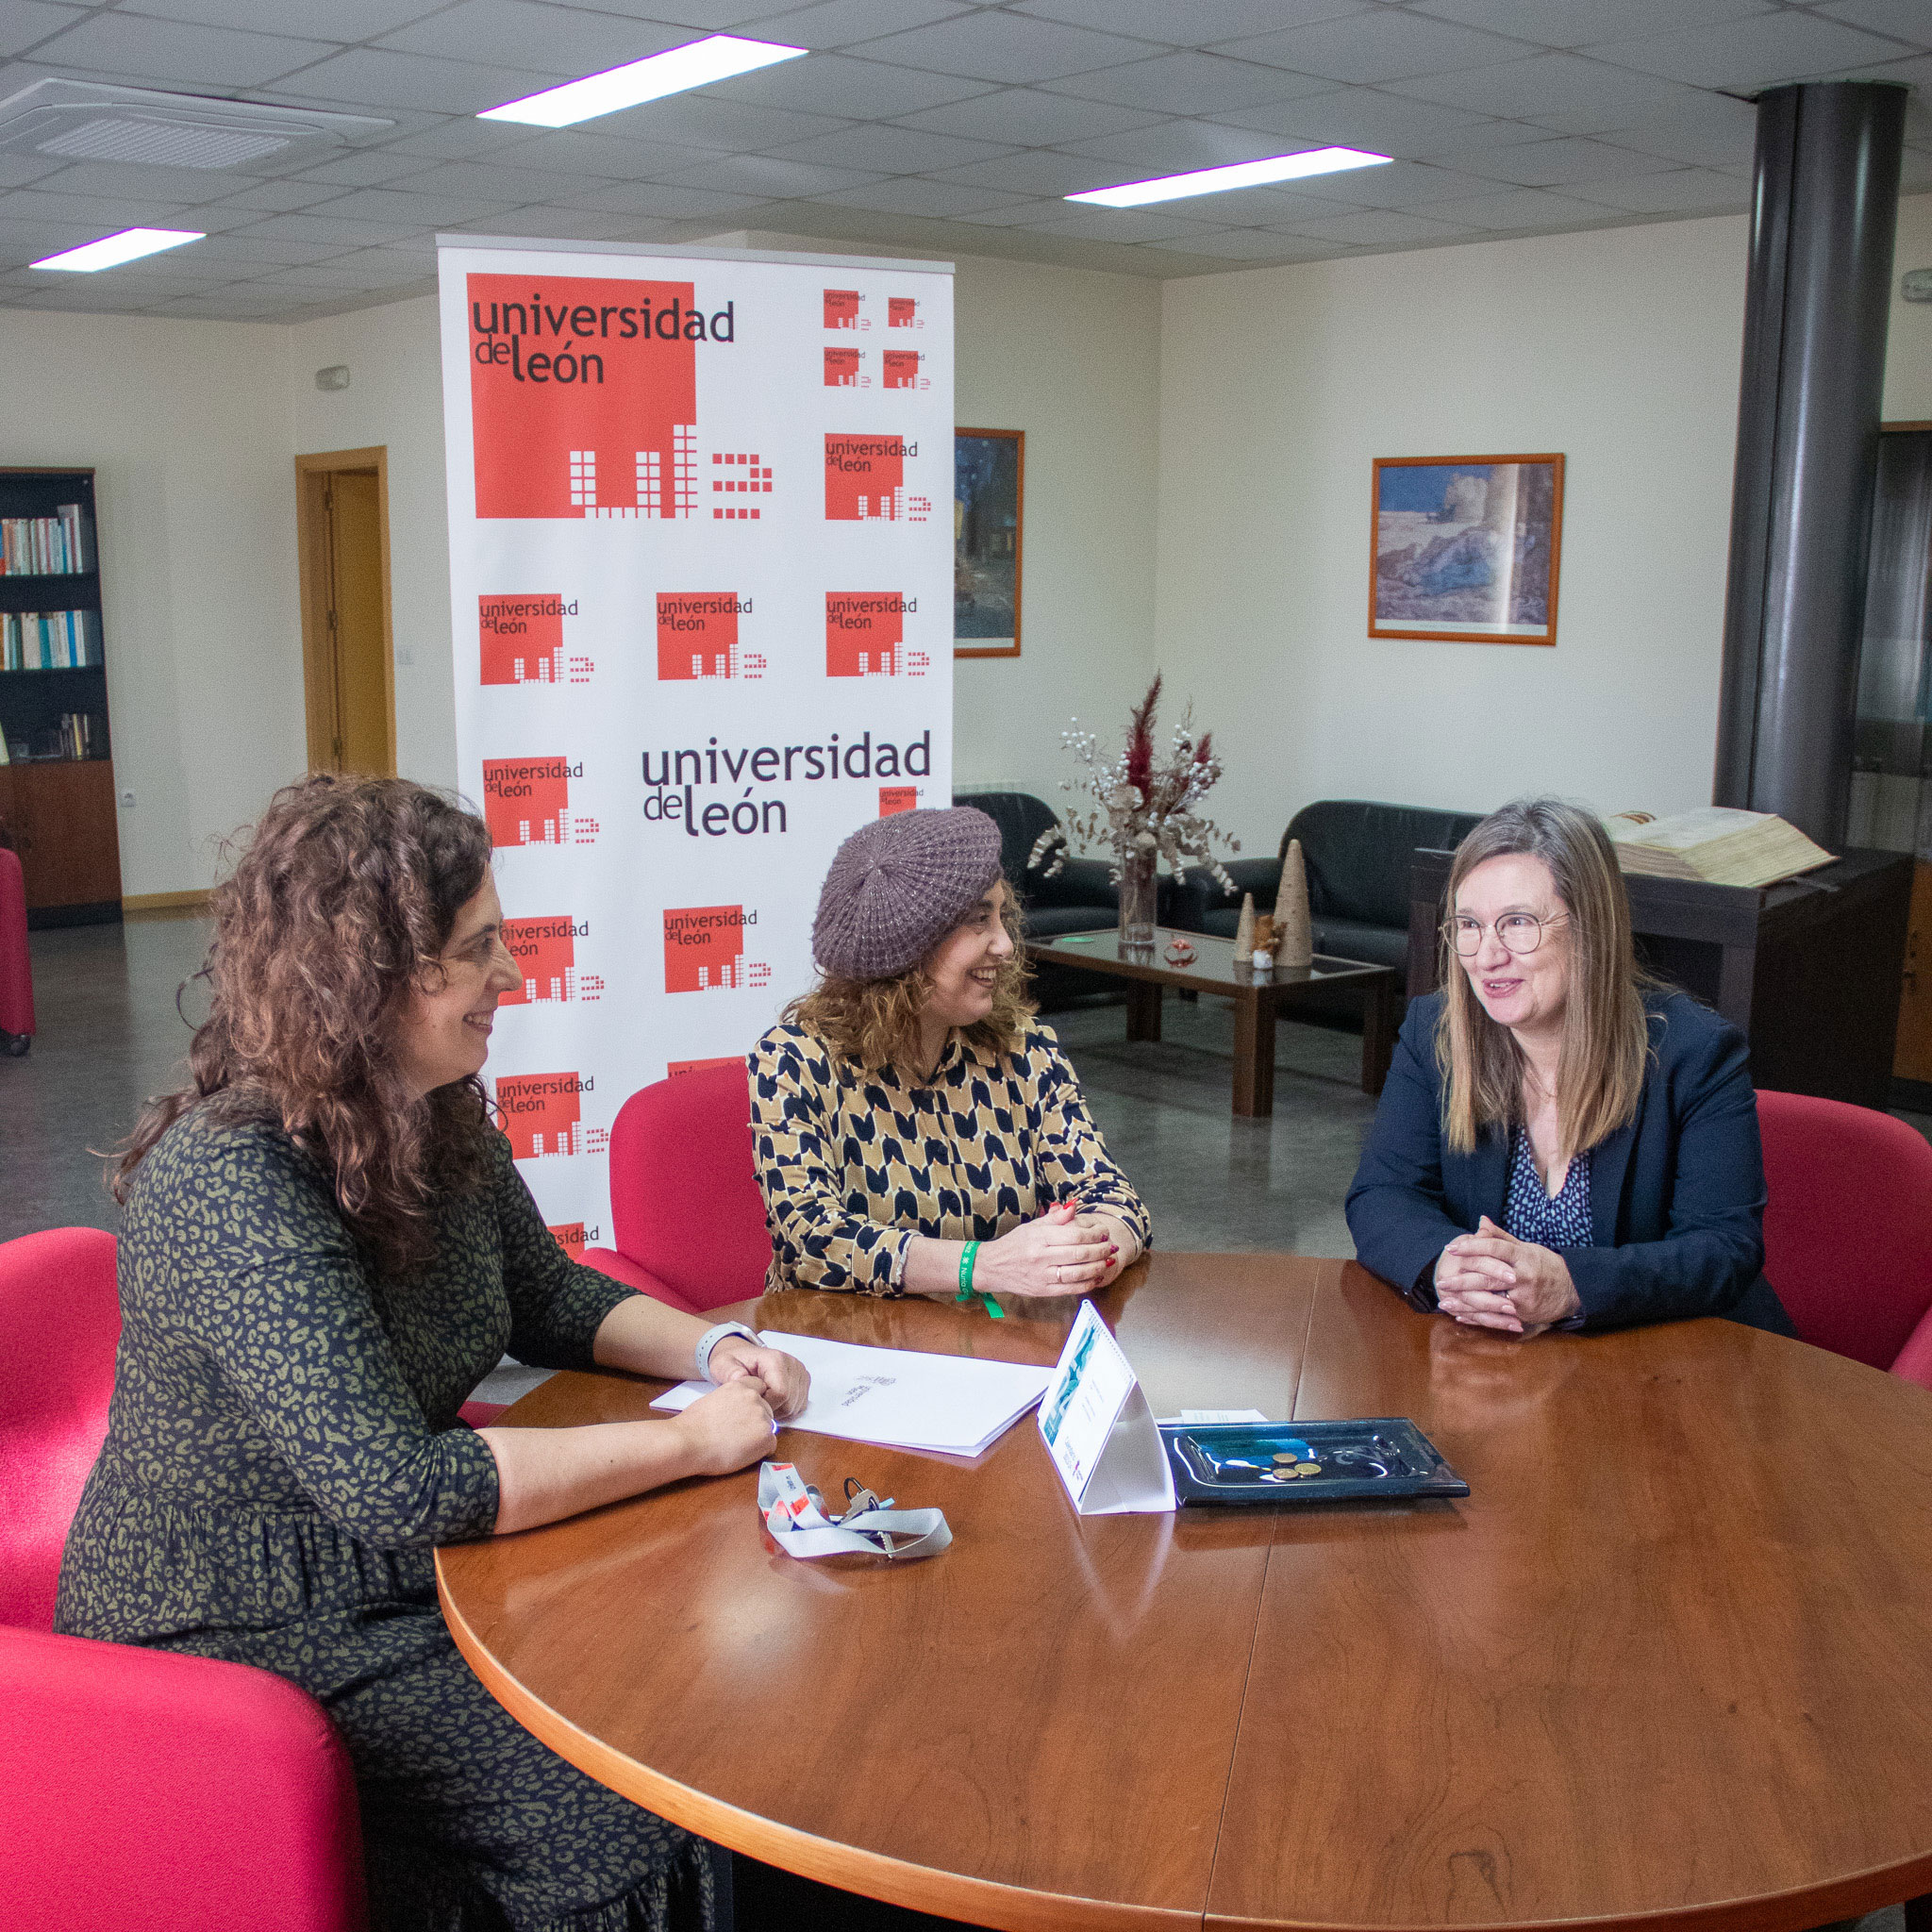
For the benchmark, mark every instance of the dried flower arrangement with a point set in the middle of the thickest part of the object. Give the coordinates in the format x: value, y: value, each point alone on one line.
x: 1143, y: 809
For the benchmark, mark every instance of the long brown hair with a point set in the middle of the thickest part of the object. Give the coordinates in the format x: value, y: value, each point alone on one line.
x: 342, y: 900
x: 1606, y: 1034
x: 875, y: 1022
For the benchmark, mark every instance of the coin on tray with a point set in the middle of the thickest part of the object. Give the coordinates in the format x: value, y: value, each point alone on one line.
x: 1307, y: 1469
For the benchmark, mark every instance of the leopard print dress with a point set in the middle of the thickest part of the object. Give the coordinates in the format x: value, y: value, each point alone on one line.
x: 283, y: 1456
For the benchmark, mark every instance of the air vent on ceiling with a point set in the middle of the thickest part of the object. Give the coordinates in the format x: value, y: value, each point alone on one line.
x: 94, y: 121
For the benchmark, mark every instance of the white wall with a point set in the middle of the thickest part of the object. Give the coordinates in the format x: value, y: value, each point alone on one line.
x: 1619, y: 348
x: 183, y: 421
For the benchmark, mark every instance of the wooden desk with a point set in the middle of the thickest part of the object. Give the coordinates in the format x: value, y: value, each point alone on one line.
x: 1256, y: 1000
x: 1667, y: 1664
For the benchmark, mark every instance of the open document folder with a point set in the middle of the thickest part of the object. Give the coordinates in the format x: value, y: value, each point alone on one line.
x: 898, y: 1398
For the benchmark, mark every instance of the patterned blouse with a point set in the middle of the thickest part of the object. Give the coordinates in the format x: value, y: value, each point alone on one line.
x: 1534, y: 1214
x: 854, y: 1161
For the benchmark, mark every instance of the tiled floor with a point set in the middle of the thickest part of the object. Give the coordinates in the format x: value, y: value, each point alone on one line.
x: 109, y: 1034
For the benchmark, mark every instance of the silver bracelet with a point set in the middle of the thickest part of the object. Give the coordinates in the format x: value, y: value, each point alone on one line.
x: 712, y: 1337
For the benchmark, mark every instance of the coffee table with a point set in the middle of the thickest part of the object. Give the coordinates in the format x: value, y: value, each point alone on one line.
x: 1257, y: 999
x: 1664, y: 1669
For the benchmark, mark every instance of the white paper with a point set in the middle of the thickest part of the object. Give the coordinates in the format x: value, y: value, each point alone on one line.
x: 899, y: 1398
x: 1217, y: 1415
x: 1098, y: 1429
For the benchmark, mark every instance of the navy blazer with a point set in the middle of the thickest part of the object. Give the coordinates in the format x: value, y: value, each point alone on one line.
x: 1676, y: 1197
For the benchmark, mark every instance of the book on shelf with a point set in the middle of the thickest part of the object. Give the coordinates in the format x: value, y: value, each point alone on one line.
x: 49, y: 640
x: 53, y: 546
x: 1716, y: 844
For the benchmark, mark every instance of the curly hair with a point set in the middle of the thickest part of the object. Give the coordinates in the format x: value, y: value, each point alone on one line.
x: 875, y: 1022
x: 340, y: 902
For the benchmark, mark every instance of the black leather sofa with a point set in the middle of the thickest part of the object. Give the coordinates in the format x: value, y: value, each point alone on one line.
x: 1358, y: 854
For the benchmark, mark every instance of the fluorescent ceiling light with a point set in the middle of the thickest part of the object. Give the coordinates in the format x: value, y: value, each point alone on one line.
x: 1321, y: 160
x: 110, y: 251
x: 698, y: 64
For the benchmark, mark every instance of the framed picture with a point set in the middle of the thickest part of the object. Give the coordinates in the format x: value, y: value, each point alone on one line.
x: 989, y: 499
x: 1466, y: 547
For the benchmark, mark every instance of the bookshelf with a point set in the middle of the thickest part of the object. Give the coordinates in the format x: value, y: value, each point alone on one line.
x: 57, y: 789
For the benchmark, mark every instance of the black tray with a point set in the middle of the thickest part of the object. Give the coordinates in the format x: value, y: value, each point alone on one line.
x: 1365, y: 1460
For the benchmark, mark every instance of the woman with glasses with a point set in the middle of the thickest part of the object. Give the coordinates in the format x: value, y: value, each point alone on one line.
x: 1562, y: 1143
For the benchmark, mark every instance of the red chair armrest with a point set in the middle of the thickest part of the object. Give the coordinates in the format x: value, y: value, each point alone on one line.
x: 1915, y: 1359
x: 146, y: 1790
x: 634, y: 1274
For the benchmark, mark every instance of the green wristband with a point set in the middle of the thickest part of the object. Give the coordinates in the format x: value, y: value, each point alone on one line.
x: 968, y: 1293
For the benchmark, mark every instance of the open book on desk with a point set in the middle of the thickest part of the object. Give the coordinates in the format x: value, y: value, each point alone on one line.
x: 953, y: 1405
x: 1715, y: 844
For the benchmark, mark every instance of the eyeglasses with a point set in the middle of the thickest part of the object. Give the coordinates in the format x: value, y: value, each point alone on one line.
x: 1521, y: 932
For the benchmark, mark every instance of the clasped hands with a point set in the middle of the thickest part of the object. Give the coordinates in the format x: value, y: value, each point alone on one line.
x: 1061, y: 1252
x: 1490, y: 1279
x: 758, y: 1388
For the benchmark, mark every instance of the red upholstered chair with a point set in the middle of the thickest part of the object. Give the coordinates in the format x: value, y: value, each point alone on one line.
x: 1848, y: 1229
x: 687, y: 1218
x: 145, y: 1791
x: 16, y: 969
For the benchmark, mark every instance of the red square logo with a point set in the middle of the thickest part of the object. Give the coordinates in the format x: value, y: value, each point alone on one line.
x: 842, y: 307
x: 896, y: 798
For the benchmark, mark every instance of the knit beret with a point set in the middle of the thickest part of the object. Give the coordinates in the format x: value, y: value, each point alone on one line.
x: 898, y: 886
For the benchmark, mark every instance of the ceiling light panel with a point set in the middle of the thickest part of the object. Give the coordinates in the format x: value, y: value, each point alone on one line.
x: 1321, y: 160
x: 699, y: 64
x: 110, y: 251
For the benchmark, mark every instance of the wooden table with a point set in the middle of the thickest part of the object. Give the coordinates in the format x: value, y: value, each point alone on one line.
x: 1256, y: 1000
x: 1668, y: 1665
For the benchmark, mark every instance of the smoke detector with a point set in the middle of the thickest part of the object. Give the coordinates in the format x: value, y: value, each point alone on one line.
x: 82, y: 120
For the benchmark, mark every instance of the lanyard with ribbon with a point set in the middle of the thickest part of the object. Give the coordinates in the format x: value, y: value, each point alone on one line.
x: 802, y: 1526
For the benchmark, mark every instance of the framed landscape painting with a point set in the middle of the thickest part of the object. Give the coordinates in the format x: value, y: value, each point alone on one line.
x: 988, y: 497
x: 1466, y: 547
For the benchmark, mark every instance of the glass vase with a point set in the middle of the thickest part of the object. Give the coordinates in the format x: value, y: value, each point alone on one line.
x: 1137, y: 901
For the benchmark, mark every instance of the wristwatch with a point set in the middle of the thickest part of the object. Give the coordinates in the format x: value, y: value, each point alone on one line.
x: 712, y: 1337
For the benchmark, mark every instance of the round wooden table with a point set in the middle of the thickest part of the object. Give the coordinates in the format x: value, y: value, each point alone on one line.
x: 1671, y: 1660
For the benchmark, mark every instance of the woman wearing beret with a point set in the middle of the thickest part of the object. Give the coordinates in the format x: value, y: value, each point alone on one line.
x: 1562, y: 1142
x: 917, y: 1131
x: 327, y: 1247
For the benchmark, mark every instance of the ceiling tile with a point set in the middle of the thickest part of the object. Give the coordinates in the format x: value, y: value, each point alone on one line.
x: 1559, y: 163
x: 1025, y: 117
x: 1575, y: 23
x: 1019, y: 215
x: 1038, y: 173
x: 1412, y: 184
x: 346, y: 19
x: 1257, y: 248
x: 106, y: 215
x: 1523, y: 207
x: 365, y: 168
x: 836, y: 84
x: 573, y: 151
x: 1196, y: 25
x: 408, y: 210
x: 326, y: 228
x: 1179, y: 147
x: 281, y: 197
x: 888, y: 150
x: 569, y: 224
x: 163, y: 50
x: 374, y: 78
x: 117, y: 180
x: 1723, y: 134
x: 1378, y: 46
x: 1360, y: 117
x: 17, y: 169
x: 1906, y: 20
x: 507, y: 187
x: 1912, y: 69
x: 943, y: 200
x: 258, y: 251
x: 363, y: 271
x: 25, y: 23
x: 769, y: 179
x: 544, y: 40
x: 1549, y: 84
x: 654, y: 198
x: 1275, y: 207
x: 714, y: 16
x: 246, y: 302
x: 708, y: 120
x: 1004, y: 46
x: 1681, y: 191
x: 1121, y: 224
x: 1193, y: 84
x: 839, y: 23
x: 1759, y: 51
x: 1384, y: 229
x: 458, y: 140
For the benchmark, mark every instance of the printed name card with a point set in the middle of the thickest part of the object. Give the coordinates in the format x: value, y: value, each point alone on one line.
x: 1099, y: 1430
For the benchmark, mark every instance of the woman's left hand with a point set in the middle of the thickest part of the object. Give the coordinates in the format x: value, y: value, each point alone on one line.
x: 1126, y: 1250
x: 1542, y: 1295
x: 787, y: 1380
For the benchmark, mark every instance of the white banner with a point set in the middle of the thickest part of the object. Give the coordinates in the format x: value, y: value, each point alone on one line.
x: 700, y: 541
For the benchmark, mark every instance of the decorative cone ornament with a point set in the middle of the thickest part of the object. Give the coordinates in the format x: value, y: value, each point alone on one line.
x: 1245, y: 932
x: 1296, y: 933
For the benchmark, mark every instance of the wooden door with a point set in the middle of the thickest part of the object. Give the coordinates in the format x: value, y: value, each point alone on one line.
x: 1912, y: 1056
x: 348, y: 672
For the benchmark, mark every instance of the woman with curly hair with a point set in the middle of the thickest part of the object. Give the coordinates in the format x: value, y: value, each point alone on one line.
x: 327, y: 1247
x: 917, y: 1130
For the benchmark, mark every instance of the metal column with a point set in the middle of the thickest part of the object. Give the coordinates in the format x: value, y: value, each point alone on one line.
x: 1823, y: 206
